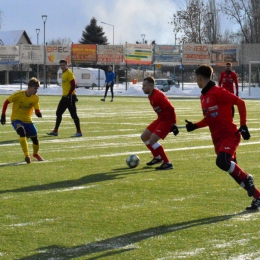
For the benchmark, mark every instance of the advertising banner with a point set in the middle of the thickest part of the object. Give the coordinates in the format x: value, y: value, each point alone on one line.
x: 223, y: 53
x: 110, y: 54
x: 138, y: 54
x: 196, y: 54
x: 167, y: 54
x: 55, y: 53
x: 31, y: 54
x: 84, y: 53
x: 9, y: 55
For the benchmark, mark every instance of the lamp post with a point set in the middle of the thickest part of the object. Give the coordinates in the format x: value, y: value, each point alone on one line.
x: 211, y: 35
x: 44, y: 18
x: 143, y: 37
x: 37, y: 32
x: 113, y: 39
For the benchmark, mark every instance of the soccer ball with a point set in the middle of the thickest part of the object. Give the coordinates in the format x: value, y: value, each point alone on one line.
x: 132, y: 161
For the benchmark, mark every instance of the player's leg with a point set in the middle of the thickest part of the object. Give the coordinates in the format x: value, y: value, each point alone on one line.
x: 19, y: 128
x: 73, y: 113
x: 104, y: 99
x: 112, y: 92
x: 62, y: 106
x: 145, y: 137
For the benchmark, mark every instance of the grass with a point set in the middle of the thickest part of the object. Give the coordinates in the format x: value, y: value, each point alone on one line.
x: 83, y: 202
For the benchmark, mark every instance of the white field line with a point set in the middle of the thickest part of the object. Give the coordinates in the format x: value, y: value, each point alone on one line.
x: 29, y: 223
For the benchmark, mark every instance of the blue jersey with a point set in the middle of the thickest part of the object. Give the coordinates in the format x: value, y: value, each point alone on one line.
x: 110, y: 77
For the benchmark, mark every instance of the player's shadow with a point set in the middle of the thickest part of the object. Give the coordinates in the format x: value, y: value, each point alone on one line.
x: 9, y: 142
x: 88, y: 179
x: 120, y: 244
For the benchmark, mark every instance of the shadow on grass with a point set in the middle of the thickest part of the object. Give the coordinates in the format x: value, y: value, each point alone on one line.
x: 92, y: 178
x: 9, y: 142
x: 122, y: 243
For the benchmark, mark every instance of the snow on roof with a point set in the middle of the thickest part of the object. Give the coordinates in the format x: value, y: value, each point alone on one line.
x: 13, y: 37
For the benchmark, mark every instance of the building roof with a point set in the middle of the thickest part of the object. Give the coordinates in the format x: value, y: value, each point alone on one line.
x: 13, y: 37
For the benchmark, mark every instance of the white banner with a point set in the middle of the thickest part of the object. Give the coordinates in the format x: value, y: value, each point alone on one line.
x: 9, y: 55
x: 31, y: 54
x: 55, y: 53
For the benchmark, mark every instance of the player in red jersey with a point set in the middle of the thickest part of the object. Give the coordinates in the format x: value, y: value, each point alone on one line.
x: 227, y: 79
x: 215, y: 103
x: 161, y: 127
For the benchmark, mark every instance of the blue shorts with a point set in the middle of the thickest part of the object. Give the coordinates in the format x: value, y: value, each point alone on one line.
x: 30, y: 129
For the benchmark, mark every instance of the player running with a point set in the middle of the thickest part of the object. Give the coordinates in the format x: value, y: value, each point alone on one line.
x: 161, y: 127
x: 215, y: 103
x: 24, y: 101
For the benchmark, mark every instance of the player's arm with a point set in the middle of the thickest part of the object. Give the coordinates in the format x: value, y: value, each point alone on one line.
x: 3, y: 116
x: 241, y: 106
x: 236, y: 83
x: 220, y: 80
x: 72, y: 86
x: 191, y: 126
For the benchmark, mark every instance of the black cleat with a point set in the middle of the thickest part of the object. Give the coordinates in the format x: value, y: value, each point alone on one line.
x: 249, y: 185
x: 154, y: 161
x: 165, y: 166
x: 254, y: 205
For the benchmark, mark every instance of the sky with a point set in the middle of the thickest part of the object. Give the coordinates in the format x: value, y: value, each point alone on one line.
x: 68, y: 18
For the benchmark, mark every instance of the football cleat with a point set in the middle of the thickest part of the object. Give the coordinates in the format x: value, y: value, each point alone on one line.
x: 254, y: 205
x: 53, y: 133
x: 27, y: 159
x: 154, y: 161
x: 249, y: 185
x: 102, y: 99
x: 77, y: 135
x: 111, y: 100
x: 38, y: 157
x: 165, y: 166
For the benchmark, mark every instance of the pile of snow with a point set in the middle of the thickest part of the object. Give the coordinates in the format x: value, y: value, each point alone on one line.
x: 185, y: 90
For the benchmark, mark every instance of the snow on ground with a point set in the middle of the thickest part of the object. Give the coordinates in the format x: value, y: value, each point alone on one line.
x: 187, y: 90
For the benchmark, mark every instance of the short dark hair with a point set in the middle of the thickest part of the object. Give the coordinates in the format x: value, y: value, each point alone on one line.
x: 149, y: 80
x: 205, y: 71
x: 33, y: 82
x: 63, y: 61
x: 228, y: 64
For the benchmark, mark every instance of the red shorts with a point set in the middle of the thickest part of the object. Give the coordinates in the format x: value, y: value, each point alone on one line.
x: 227, y: 144
x: 160, y: 128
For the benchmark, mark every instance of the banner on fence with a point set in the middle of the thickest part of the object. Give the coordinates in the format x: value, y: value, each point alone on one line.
x: 31, y: 54
x: 223, y: 53
x: 55, y: 53
x: 110, y: 54
x: 196, y: 54
x: 167, y: 54
x: 139, y: 54
x: 84, y: 53
x: 9, y: 55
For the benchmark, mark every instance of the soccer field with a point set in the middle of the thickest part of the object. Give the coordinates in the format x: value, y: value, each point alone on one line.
x: 83, y: 202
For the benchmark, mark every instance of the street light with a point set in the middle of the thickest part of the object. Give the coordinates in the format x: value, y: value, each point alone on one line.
x: 113, y: 39
x: 44, y: 18
x: 37, y: 32
x: 143, y: 37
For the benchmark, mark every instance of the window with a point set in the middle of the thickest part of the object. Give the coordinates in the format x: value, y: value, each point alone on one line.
x: 85, y: 76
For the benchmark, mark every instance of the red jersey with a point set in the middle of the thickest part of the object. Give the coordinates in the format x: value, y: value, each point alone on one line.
x: 162, y: 106
x: 227, y: 80
x: 216, y: 105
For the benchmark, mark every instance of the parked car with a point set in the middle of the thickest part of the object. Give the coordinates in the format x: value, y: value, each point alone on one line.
x: 165, y: 84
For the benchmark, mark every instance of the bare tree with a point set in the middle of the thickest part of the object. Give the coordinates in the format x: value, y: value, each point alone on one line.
x: 60, y: 41
x: 245, y: 13
x: 199, y: 22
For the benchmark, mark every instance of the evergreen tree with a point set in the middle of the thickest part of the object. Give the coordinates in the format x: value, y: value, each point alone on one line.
x: 93, y: 34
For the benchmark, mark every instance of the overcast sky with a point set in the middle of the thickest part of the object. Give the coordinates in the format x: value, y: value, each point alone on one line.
x: 68, y: 18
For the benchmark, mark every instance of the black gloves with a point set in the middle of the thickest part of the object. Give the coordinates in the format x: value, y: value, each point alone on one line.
x: 190, y: 126
x: 3, y: 119
x: 39, y: 114
x: 244, y: 132
x: 175, y: 129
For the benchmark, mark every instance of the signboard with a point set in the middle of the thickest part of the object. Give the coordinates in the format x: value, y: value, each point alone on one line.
x: 138, y: 54
x: 223, y: 53
x: 55, y: 53
x: 31, y: 54
x: 110, y: 54
x: 9, y: 55
x: 167, y: 54
x: 196, y: 54
x: 84, y: 53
